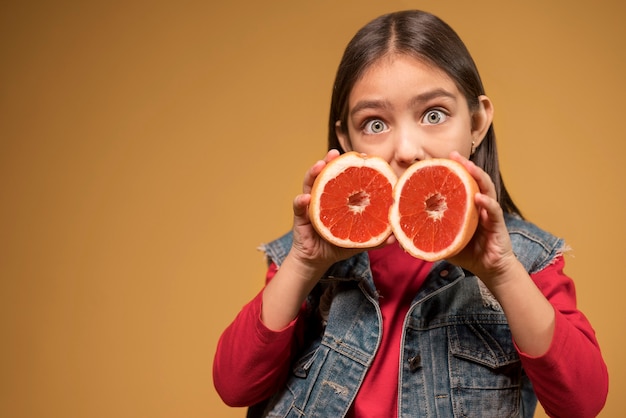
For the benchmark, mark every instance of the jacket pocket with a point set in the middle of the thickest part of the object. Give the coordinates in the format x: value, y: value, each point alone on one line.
x: 485, y: 370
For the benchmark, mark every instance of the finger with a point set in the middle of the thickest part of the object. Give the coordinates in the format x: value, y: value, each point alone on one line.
x: 331, y: 155
x: 300, y: 205
x: 311, y: 175
x: 489, y: 209
x: 485, y: 184
x: 316, y: 169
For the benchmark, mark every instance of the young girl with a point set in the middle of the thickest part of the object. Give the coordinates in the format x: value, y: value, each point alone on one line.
x: 337, y: 332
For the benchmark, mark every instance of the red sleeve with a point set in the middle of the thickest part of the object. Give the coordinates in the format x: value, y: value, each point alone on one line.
x: 571, y: 378
x: 251, y: 361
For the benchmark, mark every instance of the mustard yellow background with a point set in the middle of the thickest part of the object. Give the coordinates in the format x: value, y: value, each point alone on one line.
x: 148, y: 148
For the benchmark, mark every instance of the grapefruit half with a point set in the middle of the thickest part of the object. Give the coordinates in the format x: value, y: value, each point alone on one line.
x: 351, y: 199
x: 434, y: 215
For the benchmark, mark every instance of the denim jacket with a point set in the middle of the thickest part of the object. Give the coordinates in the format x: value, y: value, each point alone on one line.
x: 457, y: 357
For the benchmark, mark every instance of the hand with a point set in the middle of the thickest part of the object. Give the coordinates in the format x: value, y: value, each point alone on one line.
x: 310, y: 256
x: 489, y: 254
x: 308, y: 246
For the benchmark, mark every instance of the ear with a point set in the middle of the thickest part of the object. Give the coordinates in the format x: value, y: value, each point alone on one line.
x: 481, y: 119
x: 343, y: 137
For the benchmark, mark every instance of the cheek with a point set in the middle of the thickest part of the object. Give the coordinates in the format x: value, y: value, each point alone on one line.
x: 441, y: 144
x: 379, y: 150
x: 379, y: 147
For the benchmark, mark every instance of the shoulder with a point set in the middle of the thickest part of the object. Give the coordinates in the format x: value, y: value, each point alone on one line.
x: 277, y: 250
x: 356, y: 266
x: 534, y: 247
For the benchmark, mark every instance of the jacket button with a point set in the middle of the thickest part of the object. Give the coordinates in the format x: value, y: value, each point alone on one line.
x: 415, y: 362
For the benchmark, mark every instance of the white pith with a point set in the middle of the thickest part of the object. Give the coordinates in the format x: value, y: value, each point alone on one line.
x: 438, y: 213
x: 363, y: 201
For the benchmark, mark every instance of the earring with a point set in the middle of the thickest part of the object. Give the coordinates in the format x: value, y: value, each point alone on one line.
x: 473, y: 148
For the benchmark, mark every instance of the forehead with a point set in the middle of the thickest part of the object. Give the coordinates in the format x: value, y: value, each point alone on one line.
x: 395, y: 72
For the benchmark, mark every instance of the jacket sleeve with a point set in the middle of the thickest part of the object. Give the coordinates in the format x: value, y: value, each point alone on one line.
x: 251, y: 361
x: 571, y: 378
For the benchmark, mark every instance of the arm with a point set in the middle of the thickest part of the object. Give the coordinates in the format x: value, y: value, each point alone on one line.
x: 252, y: 361
x: 310, y: 256
x: 255, y: 351
x: 561, y: 366
x: 490, y: 256
x: 551, y: 343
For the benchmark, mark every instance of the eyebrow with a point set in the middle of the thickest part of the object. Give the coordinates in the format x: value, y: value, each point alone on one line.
x: 369, y: 104
x: 433, y: 94
x: 420, y: 98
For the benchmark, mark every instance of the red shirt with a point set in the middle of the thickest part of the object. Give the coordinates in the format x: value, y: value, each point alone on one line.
x: 389, y: 265
x: 252, y: 361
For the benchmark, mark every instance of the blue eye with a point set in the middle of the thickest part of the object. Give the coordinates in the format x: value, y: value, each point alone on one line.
x: 434, y: 117
x: 375, y: 126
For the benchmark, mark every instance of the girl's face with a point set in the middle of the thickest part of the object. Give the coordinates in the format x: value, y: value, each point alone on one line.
x: 404, y: 110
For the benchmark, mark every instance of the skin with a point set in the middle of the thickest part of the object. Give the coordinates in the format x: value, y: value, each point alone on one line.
x: 405, y: 110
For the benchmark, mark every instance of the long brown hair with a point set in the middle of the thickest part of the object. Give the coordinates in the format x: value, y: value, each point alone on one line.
x: 426, y: 37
